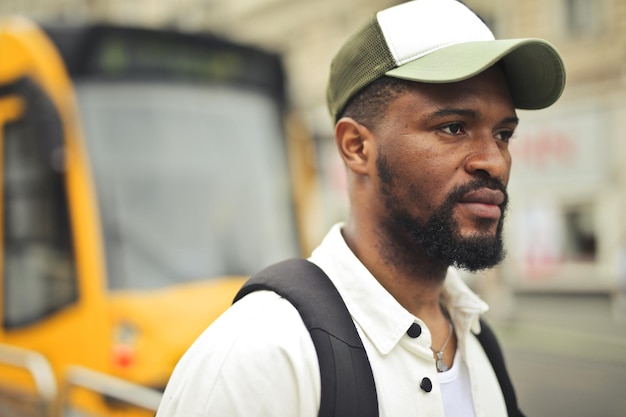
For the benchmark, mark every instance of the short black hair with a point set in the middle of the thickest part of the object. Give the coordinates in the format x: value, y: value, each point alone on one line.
x: 370, y: 103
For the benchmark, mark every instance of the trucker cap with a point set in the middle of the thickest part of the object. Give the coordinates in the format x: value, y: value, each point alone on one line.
x: 442, y: 41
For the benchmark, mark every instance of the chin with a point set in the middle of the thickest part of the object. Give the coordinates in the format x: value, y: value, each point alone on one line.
x: 480, y: 232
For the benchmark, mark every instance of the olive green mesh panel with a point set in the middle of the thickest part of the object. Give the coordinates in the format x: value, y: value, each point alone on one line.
x: 363, y: 58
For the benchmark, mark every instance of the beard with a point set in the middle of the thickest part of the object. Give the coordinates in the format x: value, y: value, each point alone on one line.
x: 439, y: 236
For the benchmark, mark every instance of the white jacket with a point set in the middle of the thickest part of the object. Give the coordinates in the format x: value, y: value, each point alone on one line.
x: 258, y: 359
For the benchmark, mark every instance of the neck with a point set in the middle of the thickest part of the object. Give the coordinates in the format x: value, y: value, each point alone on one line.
x: 414, y: 280
x: 411, y: 277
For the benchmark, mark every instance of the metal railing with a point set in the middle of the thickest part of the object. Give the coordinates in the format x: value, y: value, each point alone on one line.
x: 110, y: 387
x: 44, y: 400
x: 17, y: 402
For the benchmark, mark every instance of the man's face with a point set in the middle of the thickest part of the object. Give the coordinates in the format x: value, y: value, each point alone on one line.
x: 443, y: 165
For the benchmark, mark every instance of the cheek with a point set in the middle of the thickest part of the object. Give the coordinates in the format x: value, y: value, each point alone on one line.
x: 509, y: 162
x: 426, y: 179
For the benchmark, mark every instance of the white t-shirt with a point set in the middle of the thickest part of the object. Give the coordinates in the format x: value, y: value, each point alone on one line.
x: 456, y: 390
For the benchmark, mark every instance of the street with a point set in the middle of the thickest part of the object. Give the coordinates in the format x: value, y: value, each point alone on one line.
x: 566, y: 356
x: 551, y: 385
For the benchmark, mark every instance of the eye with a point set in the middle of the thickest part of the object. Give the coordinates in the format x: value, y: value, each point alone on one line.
x: 505, y: 135
x: 453, y: 129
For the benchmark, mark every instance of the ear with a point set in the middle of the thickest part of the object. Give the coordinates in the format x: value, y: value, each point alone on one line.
x: 355, y: 143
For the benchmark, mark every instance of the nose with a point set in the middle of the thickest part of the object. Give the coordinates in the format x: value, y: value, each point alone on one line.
x: 489, y: 157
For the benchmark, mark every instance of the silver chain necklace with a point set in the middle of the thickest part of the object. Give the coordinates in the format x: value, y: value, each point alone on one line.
x: 440, y: 364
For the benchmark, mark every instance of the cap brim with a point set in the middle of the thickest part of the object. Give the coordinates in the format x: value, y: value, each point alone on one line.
x: 533, y: 68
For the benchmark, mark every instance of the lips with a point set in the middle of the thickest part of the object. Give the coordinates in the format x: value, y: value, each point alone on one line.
x: 484, y: 203
x: 484, y: 196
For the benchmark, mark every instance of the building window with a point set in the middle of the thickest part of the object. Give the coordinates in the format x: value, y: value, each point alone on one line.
x: 580, y: 236
x: 583, y: 18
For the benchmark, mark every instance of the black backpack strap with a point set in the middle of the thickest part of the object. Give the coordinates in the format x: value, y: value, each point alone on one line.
x: 490, y: 345
x: 347, y: 382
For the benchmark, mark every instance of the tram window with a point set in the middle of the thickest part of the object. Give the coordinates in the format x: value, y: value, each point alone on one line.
x: 160, y: 153
x: 39, y: 275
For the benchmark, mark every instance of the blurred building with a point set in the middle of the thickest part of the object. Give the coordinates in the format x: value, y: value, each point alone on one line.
x: 566, y: 232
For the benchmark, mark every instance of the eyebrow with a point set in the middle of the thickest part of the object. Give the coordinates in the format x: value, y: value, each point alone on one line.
x: 453, y: 112
x: 468, y: 113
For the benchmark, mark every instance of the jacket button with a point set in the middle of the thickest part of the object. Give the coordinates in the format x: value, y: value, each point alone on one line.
x: 414, y: 331
x: 426, y: 385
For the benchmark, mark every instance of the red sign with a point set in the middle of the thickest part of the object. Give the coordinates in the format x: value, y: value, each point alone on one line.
x: 543, y: 149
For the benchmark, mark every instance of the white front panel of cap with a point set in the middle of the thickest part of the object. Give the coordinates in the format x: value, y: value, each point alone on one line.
x: 418, y: 27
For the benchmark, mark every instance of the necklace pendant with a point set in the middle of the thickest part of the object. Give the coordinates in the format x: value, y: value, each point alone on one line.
x: 441, y: 365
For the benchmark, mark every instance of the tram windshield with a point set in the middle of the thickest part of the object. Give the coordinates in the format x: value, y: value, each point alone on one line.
x: 192, y: 180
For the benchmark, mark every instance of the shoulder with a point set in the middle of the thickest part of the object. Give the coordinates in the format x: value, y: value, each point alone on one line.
x: 262, y: 317
x: 258, y: 349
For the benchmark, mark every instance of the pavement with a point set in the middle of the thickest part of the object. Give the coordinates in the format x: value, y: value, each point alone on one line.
x: 566, y: 354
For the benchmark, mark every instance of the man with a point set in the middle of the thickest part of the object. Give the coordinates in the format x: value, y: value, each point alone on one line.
x: 424, y: 102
